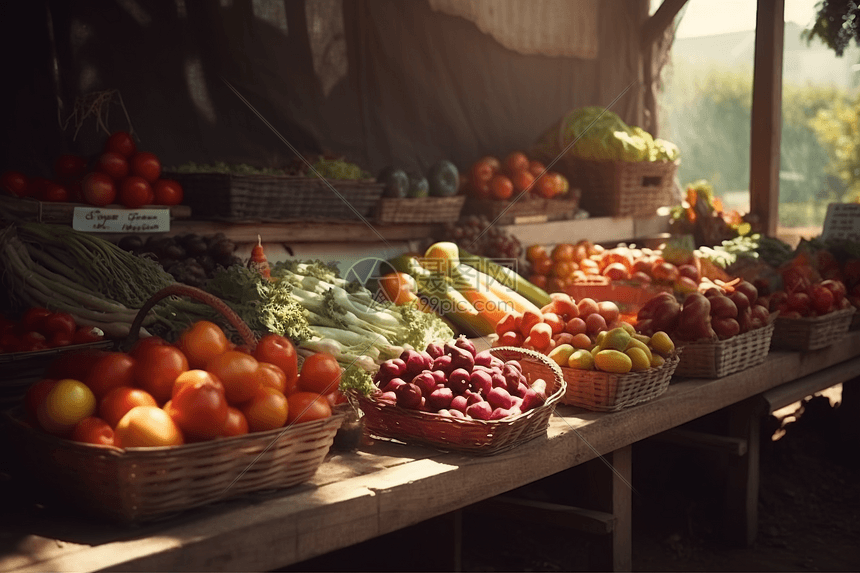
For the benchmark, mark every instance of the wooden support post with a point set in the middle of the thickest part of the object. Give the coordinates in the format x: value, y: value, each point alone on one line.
x: 612, y: 491
x: 740, y: 516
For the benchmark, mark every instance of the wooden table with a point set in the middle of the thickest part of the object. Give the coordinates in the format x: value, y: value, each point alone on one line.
x: 382, y: 487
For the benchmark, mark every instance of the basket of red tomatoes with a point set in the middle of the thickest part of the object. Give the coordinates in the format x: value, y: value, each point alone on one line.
x: 169, y: 426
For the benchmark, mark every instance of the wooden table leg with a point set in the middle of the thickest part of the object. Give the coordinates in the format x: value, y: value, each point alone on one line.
x: 740, y: 517
x: 610, y: 487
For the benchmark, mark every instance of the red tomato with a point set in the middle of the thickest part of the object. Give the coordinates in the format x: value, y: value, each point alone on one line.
x: 93, y: 430
x: 119, y: 401
x: 110, y: 371
x: 55, y: 192
x: 307, y: 406
x: 194, y: 376
x: 121, y: 142
x: 199, y: 409
x: 280, y: 351
x: 143, y: 343
x: 31, y: 341
x: 36, y: 187
x: 320, y: 373
x: 236, y: 424
x: 273, y: 377
x: 34, y: 317
x: 59, y: 323
x: 68, y: 166
x: 112, y: 163
x: 202, y: 341
x: 15, y: 183
x: 266, y: 410
x: 167, y: 192
x: 239, y: 372
x: 501, y: 187
x: 147, y: 426
x: 821, y: 298
x: 59, y: 339
x: 98, y: 189
x: 146, y: 165
x: 85, y: 334
x: 35, y: 395
x: 156, y: 368
x: 135, y: 192
x: 516, y: 161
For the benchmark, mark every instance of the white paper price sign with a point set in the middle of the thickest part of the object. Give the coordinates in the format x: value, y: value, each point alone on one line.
x: 842, y: 222
x: 103, y: 220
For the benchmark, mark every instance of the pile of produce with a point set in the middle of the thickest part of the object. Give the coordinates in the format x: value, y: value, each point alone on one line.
x: 720, y: 311
x: 441, y: 180
x: 199, y: 389
x: 702, y: 216
x: 516, y: 177
x: 328, y: 167
x: 39, y: 328
x: 473, y: 293
x: 597, y: 133
x: 191, y: 259
x: 586, y: 335
x: 452, y: 379
x: 119, y: 174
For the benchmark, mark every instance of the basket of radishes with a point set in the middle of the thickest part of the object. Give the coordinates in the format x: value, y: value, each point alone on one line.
x: 453, y: 398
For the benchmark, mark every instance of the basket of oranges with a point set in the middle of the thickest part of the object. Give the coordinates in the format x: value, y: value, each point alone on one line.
x: 167, y: 427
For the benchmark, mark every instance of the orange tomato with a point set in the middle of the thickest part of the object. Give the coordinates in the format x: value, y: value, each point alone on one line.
x: 66, y: 403
x: 516, y: 161
x: 266, y: 410
x: 280, y: 351
x: 542, y: 266
x: 536, y: 167
x: 535, y: 252
x: 320, y: 373
x: 236, y: 423
x: 199, y: 409
x: 538, y: 280
x: 147, y: 426
x: 501, y: 187
x: 112, y: 370
x: 143, y: 343
x: 563, y: 252
x: 157, y: 367
x: 546, y: 187
x: 93, y: 430
x: 192, y: 376
x: 273, y: 377
x: 307, y: 406
x: 202, y: 341
x: 238, y: 372
x: 563, y: 269
x: 397, y: 287
x: 116, y: 403
x: 522, y: 180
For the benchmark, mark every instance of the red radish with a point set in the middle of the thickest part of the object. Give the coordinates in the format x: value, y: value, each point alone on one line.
x: 258, y: 260
x: 480, y: 410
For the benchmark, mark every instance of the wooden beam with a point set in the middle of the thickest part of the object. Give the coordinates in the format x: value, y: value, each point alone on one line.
x: 711, y: 442
x: 548, y: 514
x: 796, y: 390
x: 766, y: 116
x: 654, y: 27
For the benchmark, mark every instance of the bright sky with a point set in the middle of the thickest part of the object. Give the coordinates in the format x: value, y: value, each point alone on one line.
x: 709, y: 17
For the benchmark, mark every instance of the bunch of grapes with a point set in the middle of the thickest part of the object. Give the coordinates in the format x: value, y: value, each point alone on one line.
x: 476, y: 235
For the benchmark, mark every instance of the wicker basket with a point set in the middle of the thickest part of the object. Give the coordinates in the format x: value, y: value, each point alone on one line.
x: 608, y: 392
x: 231, y: 197
x: 622, y: 188
x: 718, y: 358
x: 419, y: 209
x: 527, y: 207
x: 141, y: 484
x: 478, y: 437
x: 19, y: 370
x: 812, y: 333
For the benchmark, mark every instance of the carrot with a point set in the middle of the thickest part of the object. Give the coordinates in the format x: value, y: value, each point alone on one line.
x: 258, y: 260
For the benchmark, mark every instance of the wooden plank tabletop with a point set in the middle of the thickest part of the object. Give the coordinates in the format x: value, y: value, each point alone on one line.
x: 382, y: 487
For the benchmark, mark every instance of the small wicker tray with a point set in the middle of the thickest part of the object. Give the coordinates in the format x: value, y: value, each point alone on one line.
x: 608, y: 392
x: 718, y: 358
x: 622, y: 188
x: 812, y: 333
x: 528, y: 208
x: 141, y: 484
x: 224, y: 196
x: 478, y: 437
x: 419, y: 209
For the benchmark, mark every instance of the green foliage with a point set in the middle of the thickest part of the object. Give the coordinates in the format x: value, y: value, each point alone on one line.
x: 837, y: 22
x: 709, y: 115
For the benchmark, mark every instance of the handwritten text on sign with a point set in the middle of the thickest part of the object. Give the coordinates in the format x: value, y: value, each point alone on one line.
x: 99, y: 220
x: 842, y: 222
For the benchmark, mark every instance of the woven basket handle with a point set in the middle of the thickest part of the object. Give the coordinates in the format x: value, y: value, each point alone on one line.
x: 234, y: 319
